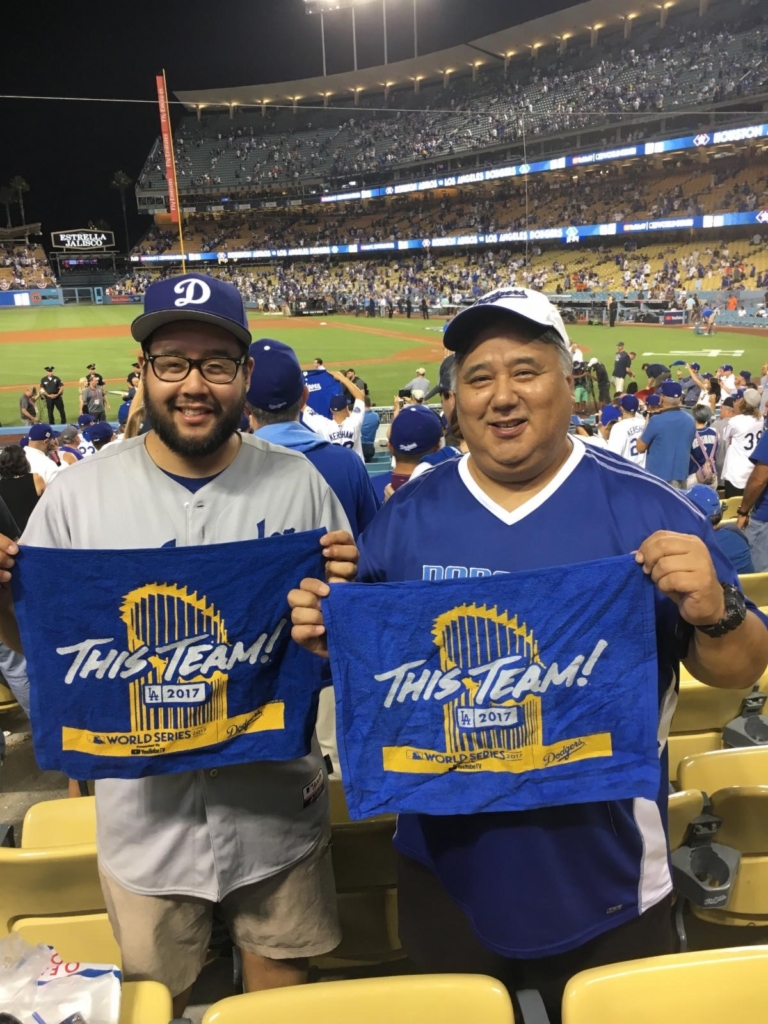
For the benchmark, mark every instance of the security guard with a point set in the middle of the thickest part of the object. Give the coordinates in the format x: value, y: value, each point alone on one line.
x: 92, y: 372
x: 53, y: 388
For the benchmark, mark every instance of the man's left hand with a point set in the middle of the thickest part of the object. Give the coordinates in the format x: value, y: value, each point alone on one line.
x: 341, y: 556
x: 681, y: 567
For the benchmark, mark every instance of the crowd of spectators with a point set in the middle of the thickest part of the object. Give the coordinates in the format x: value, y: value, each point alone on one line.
x: 24, y: 266
x: 659, y: 70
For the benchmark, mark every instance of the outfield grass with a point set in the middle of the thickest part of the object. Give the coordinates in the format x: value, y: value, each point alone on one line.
x: 385, y: 353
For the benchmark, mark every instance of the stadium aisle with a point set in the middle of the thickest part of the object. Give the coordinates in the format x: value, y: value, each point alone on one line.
x: 23, y: 782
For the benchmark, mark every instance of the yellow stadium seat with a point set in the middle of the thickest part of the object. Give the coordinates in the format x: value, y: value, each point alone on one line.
x: 419, y: 999
x: 709, y: 987
x: 145, y: 1002
x: 683, y: 808
x: 755, y: 586
x: 87, y: 938
x: 701, y: 714
x: 729, y: 507
x: 737, y: 782
x: 7, y: 701
x: 365, y: 868
x: 67, y: 822
x: 48, y: 881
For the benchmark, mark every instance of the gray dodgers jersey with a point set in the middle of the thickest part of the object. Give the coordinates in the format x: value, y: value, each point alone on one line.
x: 201, y: 833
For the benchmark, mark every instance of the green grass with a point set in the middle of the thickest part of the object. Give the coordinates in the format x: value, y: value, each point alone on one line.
x: 345, y: 341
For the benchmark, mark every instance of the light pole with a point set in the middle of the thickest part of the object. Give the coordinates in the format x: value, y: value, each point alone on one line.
x: 415, y: 32
x: 323, y: 7
x: 384, y: 18
x: 322, y: 38
x: 354, y: 39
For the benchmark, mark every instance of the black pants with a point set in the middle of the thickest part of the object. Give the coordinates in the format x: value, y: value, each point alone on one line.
x: 56, y: 403
x: 612, y: 316
x: 439, y: 939
x: 369, y: 451
x: 731, y: 491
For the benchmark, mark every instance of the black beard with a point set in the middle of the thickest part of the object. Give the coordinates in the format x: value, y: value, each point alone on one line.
x: 160, y: 416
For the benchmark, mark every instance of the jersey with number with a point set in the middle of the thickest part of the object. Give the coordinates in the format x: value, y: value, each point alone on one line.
x: 347, y: 433
x: 85, y: 447
x: 623, y: 439
x: 538, y: 883
x: 741, y: 435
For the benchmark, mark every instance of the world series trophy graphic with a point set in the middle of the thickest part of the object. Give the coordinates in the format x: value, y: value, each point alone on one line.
x: 470, y: 636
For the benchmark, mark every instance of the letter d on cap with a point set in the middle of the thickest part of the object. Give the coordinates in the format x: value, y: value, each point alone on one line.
x: 188, y: 290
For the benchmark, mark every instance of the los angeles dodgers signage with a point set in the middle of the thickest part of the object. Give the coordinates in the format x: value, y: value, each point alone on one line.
x: 496, y: 694
x: 156, y: 663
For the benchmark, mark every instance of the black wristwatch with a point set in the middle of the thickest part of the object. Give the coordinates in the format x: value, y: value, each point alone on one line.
x: 735, y: 612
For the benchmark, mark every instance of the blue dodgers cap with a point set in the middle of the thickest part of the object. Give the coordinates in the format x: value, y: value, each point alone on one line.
x: 727, y: 367
x: 670, y: 389
x: 695, y: 366
x: 338, y: 402
x: 609, y: 414
x: 516, y: 304
x: 41, y: 432
x: 101, y: 432
x: 653, y: 401
x: 192, y: 297
x: 416, y: 429
x: 85, y: 420
x: 630, y: 402
x: 705, y: 499
x: 746, y: 374
x: 277, y: 381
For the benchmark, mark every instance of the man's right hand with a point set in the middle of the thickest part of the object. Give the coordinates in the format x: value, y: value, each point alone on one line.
x: 8, y: 551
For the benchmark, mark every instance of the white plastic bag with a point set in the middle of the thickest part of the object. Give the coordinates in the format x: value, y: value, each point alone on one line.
x: 38, y: 987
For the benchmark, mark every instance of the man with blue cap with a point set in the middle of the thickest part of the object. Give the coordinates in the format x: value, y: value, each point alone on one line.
x: 732, y: 540
x: 276, y: 396
x: 668, y: 438
x: 416, y: 431
x: 625, y: 433
x: 346, y: 423
x: 172, y: 846
x: 41, y: 441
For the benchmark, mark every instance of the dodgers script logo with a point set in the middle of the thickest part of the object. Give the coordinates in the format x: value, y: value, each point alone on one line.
x: 491, y: 680
x: 193, y: 292
x: 175, y: 665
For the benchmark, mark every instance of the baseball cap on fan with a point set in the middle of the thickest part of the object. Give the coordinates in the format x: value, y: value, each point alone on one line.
x: 514, y: 303
x: 415, y: 430
x: 277, y: 381
x: 444, y: 384
x: 192, y: 297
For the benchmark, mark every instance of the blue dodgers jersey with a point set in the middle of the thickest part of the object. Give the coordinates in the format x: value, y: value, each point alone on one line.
x: 346, y: 475
x: 322, y: 387
x: 760, y: 457
x: 538, y: 883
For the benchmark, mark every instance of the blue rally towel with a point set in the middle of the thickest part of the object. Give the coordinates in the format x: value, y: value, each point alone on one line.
x: 507, y: 693
x: 169, y: 659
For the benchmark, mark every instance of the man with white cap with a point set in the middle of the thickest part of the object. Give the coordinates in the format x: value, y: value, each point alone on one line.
x: 533, y: 897
x: 246, y: 836
x: 741, y: 436
x: 668, y: 438
x: 419, y: 382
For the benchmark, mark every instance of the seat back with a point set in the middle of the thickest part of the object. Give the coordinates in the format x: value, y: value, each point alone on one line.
x: 701, y: 708
x: 145, y: 1002
x: 730, y: 505
x: 46, y: 882
x: 744, y: 810
x: 722, y: 769
x: 711, y: 986
x: 65, y: 822
x: 683, y: 808
x: 7, y: 701
x: 415, y: 999
x: 85, y: 938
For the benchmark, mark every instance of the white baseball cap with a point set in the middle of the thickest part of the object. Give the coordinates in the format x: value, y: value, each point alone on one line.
x: 519, y: 303
x: 421, y: 370
x: 592, y: 362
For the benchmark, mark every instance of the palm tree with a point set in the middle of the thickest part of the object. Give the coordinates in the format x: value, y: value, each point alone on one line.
x: 122, y: 182
x: 20, y: 186
x: 7, y: 196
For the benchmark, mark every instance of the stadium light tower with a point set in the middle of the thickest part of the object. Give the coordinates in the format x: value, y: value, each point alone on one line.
x: 322, y: 7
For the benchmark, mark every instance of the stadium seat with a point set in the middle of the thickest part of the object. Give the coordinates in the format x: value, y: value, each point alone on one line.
x: 7, y: 701
x: 730, y: 505
x: 364, y: 865
x: 755, y: 586
x: 683, y: 808
x: 145, y: 1002
x: 701, y: 714
x: 710, y: 987
x: 419, y: 999
x: 75, y: 937
x: 59, y: 823
x: 737, y: 783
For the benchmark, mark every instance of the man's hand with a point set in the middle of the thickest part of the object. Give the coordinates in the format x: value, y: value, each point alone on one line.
x: 341, y: 556
x: 681, y: 567
x: 741, y: 522
x: 8, y: 551
x: 307, y: 616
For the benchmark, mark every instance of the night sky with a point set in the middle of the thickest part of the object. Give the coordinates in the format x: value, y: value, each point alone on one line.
x: 68, y: 152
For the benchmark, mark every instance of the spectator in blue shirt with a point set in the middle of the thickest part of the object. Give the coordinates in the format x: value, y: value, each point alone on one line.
x: 668, y: 438
x: 371, y: 421
x: 731, y: 539
x: 416, y: 431
x: 702, y: 467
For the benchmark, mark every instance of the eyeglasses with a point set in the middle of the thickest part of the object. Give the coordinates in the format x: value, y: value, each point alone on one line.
x: 218, y: 370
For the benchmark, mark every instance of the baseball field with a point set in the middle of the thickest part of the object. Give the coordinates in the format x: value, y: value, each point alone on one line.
x: 385, y: 353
